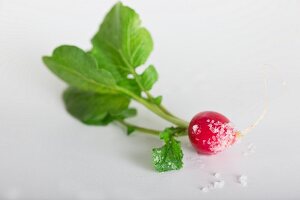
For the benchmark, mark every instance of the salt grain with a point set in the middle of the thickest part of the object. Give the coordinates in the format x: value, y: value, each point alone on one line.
x: 204, y: 189
x: 243, y: 180
x: 219, y: 184
x: 195, y: 128
x: 216, y: 184
x: 211, y: 186
x: 244, y: 184
x: 217, y: 175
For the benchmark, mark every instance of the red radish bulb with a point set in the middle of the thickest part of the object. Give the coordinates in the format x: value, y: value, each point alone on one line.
x: 211, y: 132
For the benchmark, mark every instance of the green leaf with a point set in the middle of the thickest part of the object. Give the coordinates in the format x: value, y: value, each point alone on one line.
x: 95, y: 108
x: 130, y: 130
x: 121, y: 44
x: 169, y: 156
x: 131, y: 85
x: 157, y: 100
x: 80, y: 70
x: 149, y: 77
x: 129, y: 112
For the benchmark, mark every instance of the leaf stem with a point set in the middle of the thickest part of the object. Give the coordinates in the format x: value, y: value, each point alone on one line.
x: 139, y: 128
x: 175, y: 120
x: 163, y: 108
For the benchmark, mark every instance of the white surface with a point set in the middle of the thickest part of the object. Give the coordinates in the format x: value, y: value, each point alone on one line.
x: 210, y: 56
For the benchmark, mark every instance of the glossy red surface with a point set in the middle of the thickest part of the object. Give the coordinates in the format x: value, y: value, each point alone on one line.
x: 211, y: 132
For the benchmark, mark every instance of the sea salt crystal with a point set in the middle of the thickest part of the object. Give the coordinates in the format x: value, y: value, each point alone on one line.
x: 219, y: 184
x: 211, y: 186
x: 217, y: 175
x: 204, y: 189
x: 243, y: 180
x: 244, y: 184
x: 195, y: 128
x: 216, y: 184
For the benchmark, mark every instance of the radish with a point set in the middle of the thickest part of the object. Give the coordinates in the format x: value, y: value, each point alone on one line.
x: 211, y: 132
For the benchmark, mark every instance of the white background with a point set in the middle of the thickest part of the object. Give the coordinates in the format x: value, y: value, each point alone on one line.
x: 210, y: 56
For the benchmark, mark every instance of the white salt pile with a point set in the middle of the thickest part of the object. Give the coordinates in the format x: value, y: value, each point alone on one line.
x: 243, y: 180
x: 214, y: 185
